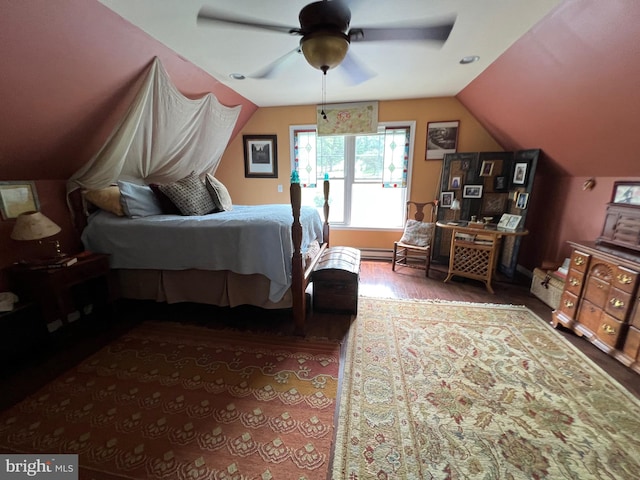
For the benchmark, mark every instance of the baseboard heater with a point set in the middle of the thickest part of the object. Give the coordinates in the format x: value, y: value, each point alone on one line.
x: 376, y: 254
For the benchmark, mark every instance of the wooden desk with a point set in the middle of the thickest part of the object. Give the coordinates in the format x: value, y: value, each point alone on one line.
x: 475, y: 248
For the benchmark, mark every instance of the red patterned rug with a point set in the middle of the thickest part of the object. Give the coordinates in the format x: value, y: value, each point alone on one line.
x: 170, y: 401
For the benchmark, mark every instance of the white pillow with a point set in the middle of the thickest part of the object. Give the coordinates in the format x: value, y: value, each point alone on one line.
x: 417, y: 233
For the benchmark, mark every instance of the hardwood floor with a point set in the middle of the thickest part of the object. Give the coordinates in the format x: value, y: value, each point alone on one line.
x: 68, y: 347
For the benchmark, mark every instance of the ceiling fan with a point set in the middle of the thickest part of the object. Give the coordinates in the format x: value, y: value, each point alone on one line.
x: 326, y: 36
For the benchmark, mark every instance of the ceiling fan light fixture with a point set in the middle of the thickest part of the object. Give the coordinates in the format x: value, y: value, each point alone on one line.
x: 325, y: 50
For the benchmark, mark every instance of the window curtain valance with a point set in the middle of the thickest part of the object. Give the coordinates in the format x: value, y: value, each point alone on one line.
x: 163, y: 137
x: 347, y: 118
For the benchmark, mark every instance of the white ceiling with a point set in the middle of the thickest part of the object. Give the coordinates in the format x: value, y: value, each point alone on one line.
x: 402, y: 69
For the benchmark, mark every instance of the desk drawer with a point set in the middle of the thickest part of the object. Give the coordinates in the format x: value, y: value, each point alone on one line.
x: 568, y: 304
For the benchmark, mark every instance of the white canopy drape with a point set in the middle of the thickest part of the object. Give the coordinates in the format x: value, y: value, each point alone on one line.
x: 163, y: 137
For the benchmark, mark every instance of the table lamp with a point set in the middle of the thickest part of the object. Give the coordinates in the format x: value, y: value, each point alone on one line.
x: 36, y: 226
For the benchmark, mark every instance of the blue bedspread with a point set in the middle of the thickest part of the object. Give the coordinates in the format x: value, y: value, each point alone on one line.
x: 248, y: 239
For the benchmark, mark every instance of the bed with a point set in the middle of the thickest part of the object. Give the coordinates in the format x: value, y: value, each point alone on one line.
x: 175, y: 143
x: 259, y: 255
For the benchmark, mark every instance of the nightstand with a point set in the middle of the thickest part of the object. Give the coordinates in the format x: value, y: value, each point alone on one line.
x: 65, y: 293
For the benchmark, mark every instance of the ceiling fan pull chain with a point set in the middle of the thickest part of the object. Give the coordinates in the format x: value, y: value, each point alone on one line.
x: 324, y: 94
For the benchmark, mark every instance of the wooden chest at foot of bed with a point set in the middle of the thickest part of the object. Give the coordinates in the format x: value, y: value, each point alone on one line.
x: 335, y: 280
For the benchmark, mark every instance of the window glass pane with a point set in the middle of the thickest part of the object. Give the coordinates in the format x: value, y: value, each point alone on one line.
x: 369, y: 158
x: 315, y: 197
x: 331, y: 157
x: 305, y: 157
x: 375, y: 207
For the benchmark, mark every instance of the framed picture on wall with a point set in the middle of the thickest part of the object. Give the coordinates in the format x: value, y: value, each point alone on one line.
x: 446, y: 199
x: 260, y: 156
x: 494, y: 203
x: 442, y: 137
x: 522, y: 200
x: 520, y: 170
x: 486, y: 169
x: 17, y: 198
x: 627, y: 193
x: 472, y: 191
x: 456, y: 182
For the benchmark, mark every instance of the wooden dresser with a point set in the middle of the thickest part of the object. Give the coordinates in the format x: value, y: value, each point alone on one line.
x: 601, y: 302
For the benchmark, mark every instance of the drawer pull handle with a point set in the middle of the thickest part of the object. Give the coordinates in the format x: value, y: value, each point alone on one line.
x: 608, y: 329
x: 574, y: 282
x: 615, y: 303
x: 579, y: 261
x: 568, y: 303
x: 624, y: 279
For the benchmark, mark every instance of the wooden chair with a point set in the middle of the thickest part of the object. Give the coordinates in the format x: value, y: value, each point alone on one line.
x: 413, y: 250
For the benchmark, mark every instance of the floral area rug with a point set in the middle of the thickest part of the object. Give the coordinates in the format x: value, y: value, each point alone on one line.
x: 174, y: 401
x: 436, y: 390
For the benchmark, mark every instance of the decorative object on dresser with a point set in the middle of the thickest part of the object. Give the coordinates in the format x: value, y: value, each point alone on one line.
x: 622, y: 221
x: 335, y: 280
x: 600, y: 300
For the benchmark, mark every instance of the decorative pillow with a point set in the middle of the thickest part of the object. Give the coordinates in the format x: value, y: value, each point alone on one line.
x: 190, y: 195
x: 138, y: 200
x: 166, y: 204
x: 219, y: 193
x: 106, y: 198
x: 417, y: 233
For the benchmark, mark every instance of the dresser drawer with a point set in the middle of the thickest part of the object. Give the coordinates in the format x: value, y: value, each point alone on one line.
x: 631, y: 347
x: 589, y: 315
x: 635, y: 316
x: 618, y: 304
x: 574, y: 282
x: 624, y: 279
x: 610, y: 330
x: 596, y: 291
x: 568, y: 304
x: 579, y: 261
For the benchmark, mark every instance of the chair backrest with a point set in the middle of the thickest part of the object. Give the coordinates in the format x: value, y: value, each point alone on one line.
x: 418, y: 211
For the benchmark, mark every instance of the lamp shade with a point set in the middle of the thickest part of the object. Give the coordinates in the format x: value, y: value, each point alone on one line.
x: 455, y: 204
x: 34, y: 226
x: 325, y: 50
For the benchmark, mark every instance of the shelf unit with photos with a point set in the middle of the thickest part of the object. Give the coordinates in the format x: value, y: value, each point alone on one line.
x: 506, y: 181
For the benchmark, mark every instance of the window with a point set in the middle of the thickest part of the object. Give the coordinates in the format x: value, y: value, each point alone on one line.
x: 369, y: 174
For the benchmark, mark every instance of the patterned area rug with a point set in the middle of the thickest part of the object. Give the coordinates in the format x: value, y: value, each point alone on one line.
x: 465, y: 391
x: 184, y: 402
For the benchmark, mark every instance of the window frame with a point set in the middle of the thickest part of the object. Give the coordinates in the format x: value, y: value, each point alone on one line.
x: 347, y: 198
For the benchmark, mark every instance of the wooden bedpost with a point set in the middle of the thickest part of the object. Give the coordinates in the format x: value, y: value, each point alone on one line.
x: 298, y: 284
x: 325, y: 228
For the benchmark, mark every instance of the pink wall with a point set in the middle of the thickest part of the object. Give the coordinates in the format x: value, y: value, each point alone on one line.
x: 570, y: 87
x: 69, y: 71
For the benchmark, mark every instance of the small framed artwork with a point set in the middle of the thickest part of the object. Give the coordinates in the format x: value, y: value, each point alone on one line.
x: 17, y: 198
x: 486, y: 169
x: 446, y: 199
x: 627, y: 193
x: 509, y: 222
x: 472, y: 191
x: 455, y: 183
x: 493, y: 203
x: 442, y: 137
x: 522, y: 200
x: 520, y: 170
x: 260, y: 156
x: 500, y: 183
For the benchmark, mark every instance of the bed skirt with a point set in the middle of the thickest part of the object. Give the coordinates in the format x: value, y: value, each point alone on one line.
x: 221, y: 288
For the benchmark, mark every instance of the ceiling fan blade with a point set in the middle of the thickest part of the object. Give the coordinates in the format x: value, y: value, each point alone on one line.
x: 435, y: 32
x: 355, y: 70
x: 277, y: 65
x: 207, y: 14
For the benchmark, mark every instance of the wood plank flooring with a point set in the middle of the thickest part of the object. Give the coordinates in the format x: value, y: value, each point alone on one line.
x: 68, y: 347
